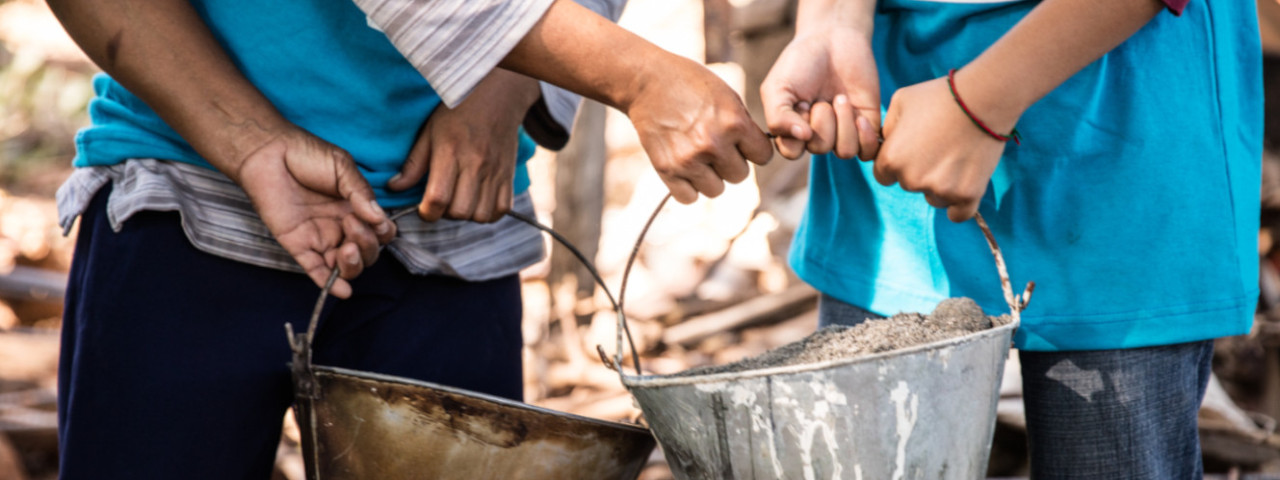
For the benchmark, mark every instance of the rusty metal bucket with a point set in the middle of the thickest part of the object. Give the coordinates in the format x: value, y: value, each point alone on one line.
x: 361, y: 425
x: 921, y: 412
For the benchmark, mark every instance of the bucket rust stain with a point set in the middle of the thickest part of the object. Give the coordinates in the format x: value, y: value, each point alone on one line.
x: 370, y: 428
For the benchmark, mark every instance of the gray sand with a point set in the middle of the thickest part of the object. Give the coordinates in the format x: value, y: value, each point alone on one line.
x: 952, y: 318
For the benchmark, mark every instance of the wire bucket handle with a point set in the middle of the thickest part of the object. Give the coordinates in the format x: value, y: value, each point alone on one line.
x: 305, y: 383
x: 1017, y: 303
x: 300, y: 344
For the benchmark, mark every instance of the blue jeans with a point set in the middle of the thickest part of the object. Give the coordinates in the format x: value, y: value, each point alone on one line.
x: 1103, y: 414
x: 173, y: 361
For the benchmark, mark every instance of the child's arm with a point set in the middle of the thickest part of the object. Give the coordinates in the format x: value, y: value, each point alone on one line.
x: 693, y: 126
x: 823, y: 93
x: 932, y: 147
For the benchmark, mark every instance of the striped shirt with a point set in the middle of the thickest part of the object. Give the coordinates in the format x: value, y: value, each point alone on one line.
x: 219, y: 219
x: 454, y: 44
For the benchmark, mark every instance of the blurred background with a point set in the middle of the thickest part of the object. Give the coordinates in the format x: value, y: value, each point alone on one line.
x: 710, y: 286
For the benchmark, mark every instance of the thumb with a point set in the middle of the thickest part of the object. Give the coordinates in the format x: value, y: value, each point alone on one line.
x: 869, y: 131
x: 415, y: 166
x: 353, y: 187
x: 785, y: 116
x: 891, y: 118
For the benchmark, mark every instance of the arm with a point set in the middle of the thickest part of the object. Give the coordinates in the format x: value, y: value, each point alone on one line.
x: 308, y: 192
x: 470, y: 149
x: 932, y: 147
x: 695, y: 129
x: 823, y: 93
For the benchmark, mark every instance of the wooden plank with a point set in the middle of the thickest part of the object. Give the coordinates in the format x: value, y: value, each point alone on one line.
x: 757, y: 311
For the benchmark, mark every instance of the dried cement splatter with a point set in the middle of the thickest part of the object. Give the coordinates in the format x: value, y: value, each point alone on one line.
x: 952, y: 318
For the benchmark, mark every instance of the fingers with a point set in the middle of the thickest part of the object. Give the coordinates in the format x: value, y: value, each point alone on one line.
x: 787, y: 118
x: 440, y: 186
x: 962, y: 212
x: 936, y: 202
x: 312, y: 246
x: 362, y: 238
x: 868, y: 139
x: 791, y: 129
x: 847, y: 128
x: 349, y: 262
x: 729, y: 166
x: 355, y: 189
x: 506, y: 195
x: 822, y: 119
x: 466, y: 194
x: 415, y: 166
x: 755, y: 147
x: 681, y: 189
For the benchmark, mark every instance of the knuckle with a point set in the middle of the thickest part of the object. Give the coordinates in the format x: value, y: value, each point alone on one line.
x: 714, y: 189
x: 437, y: 201
x: 736, y: 176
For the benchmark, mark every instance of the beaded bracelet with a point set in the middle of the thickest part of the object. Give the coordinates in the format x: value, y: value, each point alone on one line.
x: 1014, y: 135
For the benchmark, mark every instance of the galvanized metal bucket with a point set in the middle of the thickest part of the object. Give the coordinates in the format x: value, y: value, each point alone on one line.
x: 361, y: 425
x: 922, y: 412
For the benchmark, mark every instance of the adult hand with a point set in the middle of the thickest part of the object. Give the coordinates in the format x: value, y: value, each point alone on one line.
x: 823, y: 94
x: 932, y: 147
x: 469, y: 152
x: 696, y: 131
x: 317, y: 205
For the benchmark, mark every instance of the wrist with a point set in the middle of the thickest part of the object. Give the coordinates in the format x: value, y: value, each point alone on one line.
x: 660, y: 68
x: 514, y: 91
x: 999, y: 106
x: 821, y: 16
x: 238, y: 138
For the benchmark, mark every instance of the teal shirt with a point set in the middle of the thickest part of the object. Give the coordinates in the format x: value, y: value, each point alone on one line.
x: 1133, y: 201
x: 321, y: 66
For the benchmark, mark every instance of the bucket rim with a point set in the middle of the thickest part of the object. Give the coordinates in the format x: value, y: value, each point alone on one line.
x: 483, y: 396
x: 651, y: 381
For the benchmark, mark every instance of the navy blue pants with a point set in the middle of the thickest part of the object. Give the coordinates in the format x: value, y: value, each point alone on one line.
x: 173, y: 361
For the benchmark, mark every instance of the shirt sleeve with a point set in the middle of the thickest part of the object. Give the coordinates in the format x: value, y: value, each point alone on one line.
x: 454, y: 43
x: 1176, y: 6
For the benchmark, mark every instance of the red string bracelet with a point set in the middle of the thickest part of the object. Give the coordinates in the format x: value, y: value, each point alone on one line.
x: 1014, y: 135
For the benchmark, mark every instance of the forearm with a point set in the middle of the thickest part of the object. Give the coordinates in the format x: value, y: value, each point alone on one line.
x: 164, y: 53
x: 517, y: 91
x: 1054, y: 41
x: 588, y: 55
x: 816, y: 15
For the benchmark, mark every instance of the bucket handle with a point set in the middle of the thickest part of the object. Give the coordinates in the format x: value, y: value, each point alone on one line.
x: 1017, y: 303
x: 301, y: 344
x: 304, y: 376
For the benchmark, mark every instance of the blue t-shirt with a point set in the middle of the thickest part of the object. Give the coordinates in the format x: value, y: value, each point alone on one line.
x: 1133, y: 201
x: 322, y: 67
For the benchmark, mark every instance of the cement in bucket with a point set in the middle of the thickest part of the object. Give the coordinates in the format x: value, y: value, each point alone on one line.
x: 361, y: 425
x: 926, y: 412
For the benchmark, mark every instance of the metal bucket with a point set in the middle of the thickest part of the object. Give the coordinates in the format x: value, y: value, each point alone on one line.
x: 369, y: 426
x: 926, y: 412
x: 361, y: 425
x: 923, y: 412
